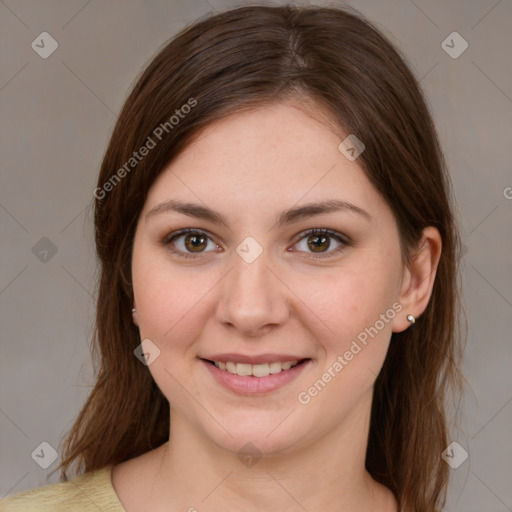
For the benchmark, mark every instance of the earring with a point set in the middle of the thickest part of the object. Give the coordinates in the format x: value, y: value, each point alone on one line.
x: 134, y: 310
x: 411, y: 319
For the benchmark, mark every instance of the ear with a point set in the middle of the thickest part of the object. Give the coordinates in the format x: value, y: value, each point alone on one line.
x: 418, y: 278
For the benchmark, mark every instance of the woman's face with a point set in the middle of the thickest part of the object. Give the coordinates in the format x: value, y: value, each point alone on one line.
x: 257, y: 288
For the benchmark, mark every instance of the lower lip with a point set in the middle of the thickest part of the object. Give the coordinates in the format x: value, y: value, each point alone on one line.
x: 249, y: 385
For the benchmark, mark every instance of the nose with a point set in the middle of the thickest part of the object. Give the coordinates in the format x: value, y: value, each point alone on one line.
x: 253, y: 299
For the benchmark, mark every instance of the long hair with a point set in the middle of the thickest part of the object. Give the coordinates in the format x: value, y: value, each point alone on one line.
x: 242, y: 59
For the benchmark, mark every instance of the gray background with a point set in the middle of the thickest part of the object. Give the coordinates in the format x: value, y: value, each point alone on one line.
x: 56, y: 118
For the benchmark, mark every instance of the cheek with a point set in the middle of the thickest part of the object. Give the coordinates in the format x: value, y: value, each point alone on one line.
x: 347, y: 302
x: 357, y: 308
x: 356, y: 304
x: 173, y: 308
x: 171, y: 304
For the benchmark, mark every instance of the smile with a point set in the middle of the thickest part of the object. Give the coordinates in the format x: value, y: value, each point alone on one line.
x: 255, y: 379
x: 254, y: 370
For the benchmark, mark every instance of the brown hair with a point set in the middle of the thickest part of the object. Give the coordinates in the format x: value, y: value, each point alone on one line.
x: 241, y: 59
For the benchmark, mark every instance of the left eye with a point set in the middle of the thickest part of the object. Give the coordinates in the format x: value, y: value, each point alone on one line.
x: 195, y: 242
x: 318, y: 240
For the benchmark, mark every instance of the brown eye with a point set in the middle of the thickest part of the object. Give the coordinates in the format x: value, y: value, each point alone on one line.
x: 186, y: 242
x: 319, y: 241
x: 195, y: 243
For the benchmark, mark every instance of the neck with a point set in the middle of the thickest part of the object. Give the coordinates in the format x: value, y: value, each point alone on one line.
x: 325, y: 474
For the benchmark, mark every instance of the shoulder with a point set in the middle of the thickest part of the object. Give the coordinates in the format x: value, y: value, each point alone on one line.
x: 91, y: 491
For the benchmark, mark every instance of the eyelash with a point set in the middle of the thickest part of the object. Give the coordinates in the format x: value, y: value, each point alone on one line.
x: 345, y: 241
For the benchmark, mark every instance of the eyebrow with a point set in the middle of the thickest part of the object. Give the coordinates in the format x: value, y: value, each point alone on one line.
x: 286, y: 217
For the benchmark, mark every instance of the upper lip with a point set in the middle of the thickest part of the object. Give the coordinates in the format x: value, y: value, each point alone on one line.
x: 255, y: 359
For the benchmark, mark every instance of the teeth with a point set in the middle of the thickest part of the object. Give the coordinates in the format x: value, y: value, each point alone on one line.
x: 260, y: 370
x: 255, y: 370
x: 243, y: 369
x: 275, y: 367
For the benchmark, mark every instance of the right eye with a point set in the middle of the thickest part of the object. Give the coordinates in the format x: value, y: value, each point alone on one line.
x: 193, y: 240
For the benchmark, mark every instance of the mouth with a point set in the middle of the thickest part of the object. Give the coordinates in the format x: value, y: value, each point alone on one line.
x: 255, y: 370
x: 248, y: 379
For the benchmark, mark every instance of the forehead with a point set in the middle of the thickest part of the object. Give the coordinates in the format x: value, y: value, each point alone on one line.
x: 280, y: 136
x: 266, y: 159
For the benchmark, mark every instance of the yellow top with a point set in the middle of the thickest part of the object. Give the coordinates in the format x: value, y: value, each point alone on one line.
x: 89, y: 492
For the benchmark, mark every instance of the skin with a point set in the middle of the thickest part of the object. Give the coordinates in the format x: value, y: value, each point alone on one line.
x: 250, y: 167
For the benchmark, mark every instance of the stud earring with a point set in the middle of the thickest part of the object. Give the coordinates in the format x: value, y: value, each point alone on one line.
x: 411, y: 319
x: 134, y: 310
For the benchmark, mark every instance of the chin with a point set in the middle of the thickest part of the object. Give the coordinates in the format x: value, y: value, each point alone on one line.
x: 265, y: 434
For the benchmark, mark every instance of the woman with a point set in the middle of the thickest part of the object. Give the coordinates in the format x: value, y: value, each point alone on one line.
x: 277, y: 309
